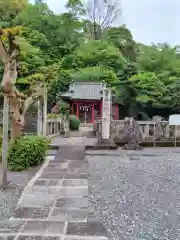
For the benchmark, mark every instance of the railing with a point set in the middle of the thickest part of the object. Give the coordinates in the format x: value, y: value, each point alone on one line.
x: 149, y: 130
x: 57, y: 126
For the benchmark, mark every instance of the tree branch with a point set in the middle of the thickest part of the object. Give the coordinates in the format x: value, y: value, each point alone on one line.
x: 30, y: 100
x: 3, y: 52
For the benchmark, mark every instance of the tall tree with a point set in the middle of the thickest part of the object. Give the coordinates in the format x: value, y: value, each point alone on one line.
x: 95, y: 53
x: 123, y: 40
x: 63, y: 32
x: 100, y: 13
x: 19, y: 103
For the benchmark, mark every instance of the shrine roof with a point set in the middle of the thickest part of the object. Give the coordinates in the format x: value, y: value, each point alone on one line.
x: 85, y: 91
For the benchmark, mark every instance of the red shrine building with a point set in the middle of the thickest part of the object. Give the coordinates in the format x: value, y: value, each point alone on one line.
x: 85, y: 99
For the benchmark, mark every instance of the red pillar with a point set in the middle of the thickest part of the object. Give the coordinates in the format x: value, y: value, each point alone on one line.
x: 92, y: 112
x: 117, y: 112
x: 77, y: 110
x: 101, y: 109
x: 72, y: 108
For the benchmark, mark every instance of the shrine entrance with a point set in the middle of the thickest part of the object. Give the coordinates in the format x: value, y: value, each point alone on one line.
x: 85, y: 113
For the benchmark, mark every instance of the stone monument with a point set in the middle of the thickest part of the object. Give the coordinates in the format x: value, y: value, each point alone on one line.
x: 106, y: 114
x: 132, y: 134
x: 105, y: 141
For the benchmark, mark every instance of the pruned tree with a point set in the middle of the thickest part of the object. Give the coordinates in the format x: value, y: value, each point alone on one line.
x: 99, y: 14
x: 19, y: 103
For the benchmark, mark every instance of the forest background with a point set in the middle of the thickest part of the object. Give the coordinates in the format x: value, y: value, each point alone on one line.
x: 84, y: 44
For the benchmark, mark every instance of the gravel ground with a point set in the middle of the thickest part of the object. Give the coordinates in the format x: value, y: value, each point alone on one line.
x: 136, y: 195
x: 10, y: 196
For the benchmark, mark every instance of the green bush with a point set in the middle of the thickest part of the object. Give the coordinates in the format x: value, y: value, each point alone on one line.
x: 27, y: 151
x: 74, y: 123
x: 53, y: 116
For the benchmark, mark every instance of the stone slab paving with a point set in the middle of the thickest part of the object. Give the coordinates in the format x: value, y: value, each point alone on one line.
x: 54, y: 204
x: 81, y: 141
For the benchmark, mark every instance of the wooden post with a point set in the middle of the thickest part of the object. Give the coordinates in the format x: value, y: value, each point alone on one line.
x: 5, y: 142
x: 72, y: 108
x: 77, y: 110
x: 45, y: 110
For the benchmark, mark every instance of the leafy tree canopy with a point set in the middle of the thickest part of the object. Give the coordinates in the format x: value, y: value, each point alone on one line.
x: 84, y: 44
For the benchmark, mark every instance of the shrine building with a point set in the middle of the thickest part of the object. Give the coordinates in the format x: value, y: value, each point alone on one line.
x: 85, y: 99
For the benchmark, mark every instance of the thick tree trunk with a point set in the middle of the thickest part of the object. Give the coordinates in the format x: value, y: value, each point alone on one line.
x: 16, y: 129
x: 19, y: 103
x: 133, y: 109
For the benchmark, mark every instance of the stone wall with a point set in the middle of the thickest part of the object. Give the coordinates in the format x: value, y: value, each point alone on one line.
x: 150, y: 131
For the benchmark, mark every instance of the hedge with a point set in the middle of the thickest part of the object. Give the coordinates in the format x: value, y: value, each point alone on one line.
x: 74, y: 123
x: 27, y: 151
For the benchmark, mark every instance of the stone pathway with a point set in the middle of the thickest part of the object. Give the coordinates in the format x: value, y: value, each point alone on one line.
x: 84, y: 131
x: 82, y: 141
x: 54, y: 205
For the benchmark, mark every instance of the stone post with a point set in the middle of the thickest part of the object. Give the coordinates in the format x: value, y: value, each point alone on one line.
x: 106, y: 114
x: 39, y: 119
x: 5, y: 142
x: 45, y: 111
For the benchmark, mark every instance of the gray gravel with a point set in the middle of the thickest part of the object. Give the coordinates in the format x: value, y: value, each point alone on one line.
x: 137, y: 195
x: 10, y: 196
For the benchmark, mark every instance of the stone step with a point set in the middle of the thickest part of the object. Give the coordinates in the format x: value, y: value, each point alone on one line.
x: 36, y: 229
x: 102, y: 145
x: 55, y: 204
x: 53, y: 146
x: 71, y: 153
x: 51, y: 152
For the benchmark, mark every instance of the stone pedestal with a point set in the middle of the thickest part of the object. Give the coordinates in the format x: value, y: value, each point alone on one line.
x: 106, y: 144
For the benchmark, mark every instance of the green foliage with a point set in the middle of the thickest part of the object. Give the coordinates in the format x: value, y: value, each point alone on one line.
x: 74, y: 123
x: 25, y: 152
x: 53, y: 116
x: 9, y: 10
x: 123, y: 40
x: 63, y: 107
x: 98, y: 52
x: 58, y: 48
x: 98, y: 73
x: 59, y: 84
x: 174, y: 96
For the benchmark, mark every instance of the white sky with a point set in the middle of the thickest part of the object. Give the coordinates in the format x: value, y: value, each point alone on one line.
x: 149, y: 20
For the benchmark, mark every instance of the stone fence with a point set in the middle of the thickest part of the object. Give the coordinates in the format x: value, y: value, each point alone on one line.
x: 57, y: 126
x: 150, y: 131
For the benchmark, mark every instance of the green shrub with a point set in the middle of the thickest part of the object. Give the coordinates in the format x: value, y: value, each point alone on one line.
x: 27, y: 151
x: 53, y: 116
x: 74, y: 123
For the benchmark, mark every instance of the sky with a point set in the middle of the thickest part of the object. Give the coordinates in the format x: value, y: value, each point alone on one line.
x: 150, y: 21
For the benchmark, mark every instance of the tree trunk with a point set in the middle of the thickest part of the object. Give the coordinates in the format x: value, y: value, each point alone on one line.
x: 132, y: 109
x: 16, y: 129
x: 19, y: 103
